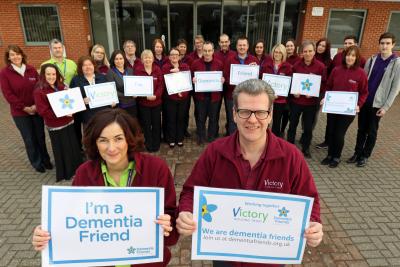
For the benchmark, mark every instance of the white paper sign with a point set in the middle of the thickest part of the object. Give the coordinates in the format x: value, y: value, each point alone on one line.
x: 66, y: 102
x: 208, y: 81
x: 279, y: 83
x: 306, y: 84
x: 338, y: 102
x: 178, y: 82
x: 249, y: 226
x: 102, y: 94
x: 102, y: 226
x: 138, y: 85
x: 240, y: 73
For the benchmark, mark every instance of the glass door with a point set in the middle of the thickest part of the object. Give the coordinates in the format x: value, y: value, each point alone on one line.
x: 181, y: 22
x: 208, y: 18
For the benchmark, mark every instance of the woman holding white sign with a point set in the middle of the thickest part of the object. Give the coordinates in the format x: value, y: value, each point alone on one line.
x: 86, y: 76
x: 119, y: 67
x: 278, y: 66
x: 349, y: 77
x: 175, y: 106
x: 67, y: 154
x: 112, y: 142
x: 150, y: 106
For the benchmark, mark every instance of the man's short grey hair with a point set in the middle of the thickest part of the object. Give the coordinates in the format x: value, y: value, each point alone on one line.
x: 254, y: 87
x: 307, y: 43
x: 54, y: 41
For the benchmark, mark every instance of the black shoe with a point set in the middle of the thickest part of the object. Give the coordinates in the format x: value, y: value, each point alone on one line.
x: 334, y: 163
x: 187, y: 134
x: 200, y: 141
x: 48, y: 165
x: 306, y: 153
x: 171, y: 145
x: 362, y: 162
x: 323, y: 145
x: 180, y: 144
x: 326, y: 160
x: 353, y: 159
x: 40, y: 169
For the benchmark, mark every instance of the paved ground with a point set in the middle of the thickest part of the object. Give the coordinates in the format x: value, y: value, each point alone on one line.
x: 360, y: 206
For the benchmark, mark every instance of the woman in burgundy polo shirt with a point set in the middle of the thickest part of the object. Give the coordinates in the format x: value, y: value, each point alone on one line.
x: 348, y: 77
x: 67, y: 154
x: 18, y: 81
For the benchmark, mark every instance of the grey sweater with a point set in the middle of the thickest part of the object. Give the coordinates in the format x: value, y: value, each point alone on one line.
x: 119, y: 83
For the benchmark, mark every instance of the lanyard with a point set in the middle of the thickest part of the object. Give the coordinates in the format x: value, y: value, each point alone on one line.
x: 119, y: 73
x: 128, y: 182
x: 65, y: 68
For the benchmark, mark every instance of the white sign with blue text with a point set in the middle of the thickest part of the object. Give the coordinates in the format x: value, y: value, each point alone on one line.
x: 249, y: 226
x: 208, y: 81
x: 102, y: 94
x: 178, y: 82
x: 102, y: 226
x: 305, y: 84
x: 240, y: 73
x: 279, y: 83
x: 138, y: 85
x: 338, y: 102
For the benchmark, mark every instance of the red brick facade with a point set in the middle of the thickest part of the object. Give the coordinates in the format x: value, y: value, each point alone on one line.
x: 75, y: 27
x: 376, y: 22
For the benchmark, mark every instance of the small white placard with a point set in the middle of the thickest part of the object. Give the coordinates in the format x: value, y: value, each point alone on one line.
x: 240, y: 73
x: 338, y: 102
x: 102, y: 94
x: 317, y: 11
x: 138, y: 85
x: 279, y: 83
x: 178, y: 82
x: 66, y: 102
x: 208, y: 81
x: 306, y: 84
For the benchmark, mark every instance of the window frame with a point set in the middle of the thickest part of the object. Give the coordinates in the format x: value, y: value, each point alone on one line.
x: 365, y: 12
x: 397, y: 46
x: 30, y: 43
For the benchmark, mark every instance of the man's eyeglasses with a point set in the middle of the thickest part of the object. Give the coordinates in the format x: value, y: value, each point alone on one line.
x: 246, y: 113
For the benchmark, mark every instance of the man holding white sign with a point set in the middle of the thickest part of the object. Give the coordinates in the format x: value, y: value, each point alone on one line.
x: 241, y: 57
x: 303, y: 104
x: 252, y: 158
x: 207, y: 103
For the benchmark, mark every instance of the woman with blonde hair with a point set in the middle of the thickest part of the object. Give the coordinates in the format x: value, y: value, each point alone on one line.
x: 150, y: 106
x: 98, y: 53
x: 278, y: 66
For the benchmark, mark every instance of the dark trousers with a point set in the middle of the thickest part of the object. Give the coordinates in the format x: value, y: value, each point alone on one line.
x: 368, y: 124
x: 31, y: 129
x: 78, y: 128
x: 231, y: 125
x: 174, y: 117
x: 132, y: 110
x: 338, y: 125
x: 187, y: 115
x: 285, y: 119
x: 206, y: 109
x: 217, y: 118
x: 67, y: 155
x: 308, y: 113
x: 277, y: 118
x: 150, y: 120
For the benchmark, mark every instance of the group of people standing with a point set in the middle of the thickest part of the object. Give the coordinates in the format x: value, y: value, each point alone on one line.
x: 167, y: 116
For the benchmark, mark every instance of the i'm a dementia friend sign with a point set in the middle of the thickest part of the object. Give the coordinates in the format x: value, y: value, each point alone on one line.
x: 100, y: 226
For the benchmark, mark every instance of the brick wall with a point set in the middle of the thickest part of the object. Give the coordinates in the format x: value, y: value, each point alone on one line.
x: 75, y: 27
x: 376, y: 22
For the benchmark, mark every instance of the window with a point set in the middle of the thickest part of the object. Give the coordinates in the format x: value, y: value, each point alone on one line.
x: 40, y: 23
x: 345, y: 22
x: 393, y: 26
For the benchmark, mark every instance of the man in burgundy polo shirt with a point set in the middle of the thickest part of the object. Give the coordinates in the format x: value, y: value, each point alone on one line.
x: 252, y: 158
x: 242, y: 57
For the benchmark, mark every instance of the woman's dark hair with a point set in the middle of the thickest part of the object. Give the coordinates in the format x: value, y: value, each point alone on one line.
x: 326, y: 56
x: 255, y: 44
x: 17, y: 50
x: 114, y: 54
x: 42, y: 76
x: 347, y: 51
x: 181, y: 41
x: 130, y: 126
x: 153, y: 46
x: 294, y: 43
x: 82, y: 60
